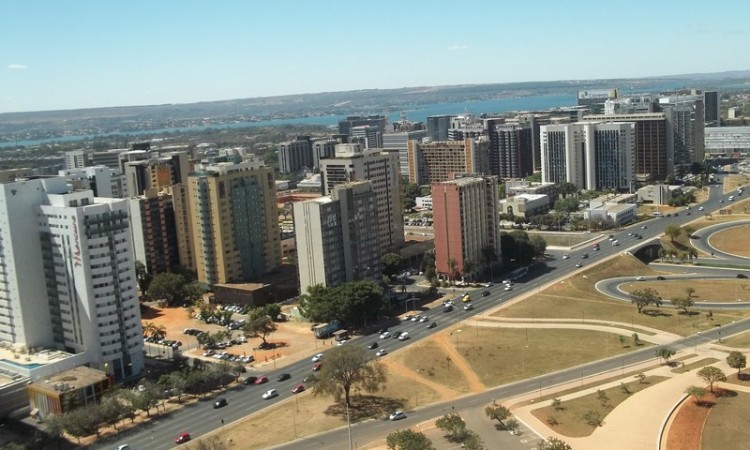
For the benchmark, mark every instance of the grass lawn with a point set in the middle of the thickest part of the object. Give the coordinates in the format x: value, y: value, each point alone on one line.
x: 564, y: 239
x: 576, y: 298
x: 696, y: 365
x: 432, y: 362
x: 705, y: 290
x: 734, y: 240
x: 570, y: 422
x: 741, y: 340
x: 727, y: 423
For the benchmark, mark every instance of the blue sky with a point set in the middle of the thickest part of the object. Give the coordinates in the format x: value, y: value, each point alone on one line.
x: 65, y: 54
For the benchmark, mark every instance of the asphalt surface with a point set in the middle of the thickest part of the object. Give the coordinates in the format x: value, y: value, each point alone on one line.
x: 201, y: 418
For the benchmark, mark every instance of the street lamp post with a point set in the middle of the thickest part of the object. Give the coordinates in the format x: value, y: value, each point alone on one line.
x: 349, y: 426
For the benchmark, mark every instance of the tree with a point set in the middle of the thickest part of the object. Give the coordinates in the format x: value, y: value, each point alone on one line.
x: 737, y: 360
x: 711, y: 375
x: 566, y: 188
x: 352, y: 303
x: 168, y: 286
x: 689, y: 291
x: 346, y: 367
x: 672, y: 231
x: 683, y: 303
x: 142, y: 276
x: 538, y: 244
x: 392, y: 264
x: 110, y: 409
x: 696, y: 392
x: 144, y: 399
x: 497, y: 412
x: 453, y: 425
x: 645, y: 297
x: 593, y: 418
x: 566, y: 205
x: 689, y: 230
x: 665, y: 353
x: 553, y: 443
x: 408, y: 440
x: 260, y: 327
x: 557, y: 404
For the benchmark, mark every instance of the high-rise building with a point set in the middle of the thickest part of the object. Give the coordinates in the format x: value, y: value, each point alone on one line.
x: 76, y: 159
x: 465, y: 220
x: 590, y: 155
x: 353, y: 163
x: 685, y: 129
x: 438, y: 126
x: 234, y: 221
x: 593, y: 99
x: 434, y: 162
x: 154, y: 231
x: 712, y: 108
x: 296, y: 154
x: 322, y: 149
x: 398, y: 143
x: 511, y: 150
x: 346, y: 125
x: 102, y: 180
x: 367, y: 136
x: 183, y: 226
x: 337, y: 236
x: 68, y: 276
x: 465, y: 127
x: 653, y: 158
x: 155, y: 173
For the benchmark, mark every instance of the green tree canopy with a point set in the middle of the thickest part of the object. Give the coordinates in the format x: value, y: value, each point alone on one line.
x: 408, y: 440
x: 553, y: 443
x: 665, y: 353
x: 392, y: 264
x: 672, y: 231
x: 453, y: 425
x: 352, y: 303
x: 567, y: 205
x: 346, y: 367
x: 260, y: 327
x: 737, y: 360
x: 645, y: 297
x: 696, y: 392
x: 497, y: 412
x: 711, y: 375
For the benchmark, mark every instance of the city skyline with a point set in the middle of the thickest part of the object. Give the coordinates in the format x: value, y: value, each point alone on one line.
x: 71, y: 55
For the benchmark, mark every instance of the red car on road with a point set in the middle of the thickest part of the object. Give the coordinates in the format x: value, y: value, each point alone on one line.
x: 182, y: 438
x: 261, y: 380
x: 297, y: 389
x: 316, y: 367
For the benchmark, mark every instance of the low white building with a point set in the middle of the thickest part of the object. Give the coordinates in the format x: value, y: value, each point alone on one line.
x: 525, y: 205
x: 620, y: 213
x: 658, y: 194
x: 424, y: 202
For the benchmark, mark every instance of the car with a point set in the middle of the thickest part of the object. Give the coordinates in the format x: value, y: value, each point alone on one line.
x: 644, y: 227
x: 741, y: 275
x: 374, y: 345
x: 431, y: 325
x: 416, y: 318
x: 316, y: 367
x: 261, y: 380
x: 250, y: 380
x: 507, y: 288
x: 448, y: 307
x: 398, y: 415
x: 310, y: 379
x: 700, y: 208
x: 269, y: 394
x: 566, y: 256
x: 579, y: 265
x: 639, y: 278
x: 381, y: 352
x: 468, y: 307
x: 283, y: 377
x: 615, y: 244
x: 660, y: 278
x: 409, y: 317
x: 342, y: 341
x: 403, y: 336
x: 123, y: 447
x: 317, y: 357
x: 423, y: 319
x: 721, y: 201
x: 182, y: 438
x: 639, y: 237
x: 485, y: 293
x: 466, y: 298
x: 220, y: 403
x: 265, y: 346
x: 385, y: 335
x: 297, y: 389
x: 585, y: 256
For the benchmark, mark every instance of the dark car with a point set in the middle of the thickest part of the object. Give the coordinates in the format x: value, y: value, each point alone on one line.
x: 250, y: 380
x: 584, y: 256
x: 220, y: 403
x: 283, y: 377
x: 373, y: 345
x: 741, y: 275
x: 660, y: 278
x: 485, y: 293
x: 265, y: 346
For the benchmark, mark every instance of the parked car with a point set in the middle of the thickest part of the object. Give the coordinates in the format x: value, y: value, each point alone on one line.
x: 182, y: 438
x: 220, y: 403
x: 297, y: 389
x: 271, y: 393
x: 398, y: 415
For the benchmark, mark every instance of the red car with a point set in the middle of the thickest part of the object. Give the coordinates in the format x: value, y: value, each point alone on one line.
x: 316, y: 367
x: 297, y: 389
x: 261, y: 380
x: 182, y: 438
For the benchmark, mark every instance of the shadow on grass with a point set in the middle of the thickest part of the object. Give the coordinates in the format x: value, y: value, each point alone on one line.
x: 365, y: 407
x: 656, y: 313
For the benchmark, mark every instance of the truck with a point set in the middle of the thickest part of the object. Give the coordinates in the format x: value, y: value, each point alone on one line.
x: 326, y: 330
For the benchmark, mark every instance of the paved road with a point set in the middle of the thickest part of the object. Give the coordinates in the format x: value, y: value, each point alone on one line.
x: 201, y: 418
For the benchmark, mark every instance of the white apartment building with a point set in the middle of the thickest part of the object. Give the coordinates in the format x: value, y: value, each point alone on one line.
x: 68, y: 279
x: 104, y: 181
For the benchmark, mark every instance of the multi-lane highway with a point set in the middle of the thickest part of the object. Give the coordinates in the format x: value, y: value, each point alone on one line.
x: 200, y: 418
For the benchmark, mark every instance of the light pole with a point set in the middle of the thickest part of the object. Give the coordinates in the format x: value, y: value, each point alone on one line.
x: 349, y: 426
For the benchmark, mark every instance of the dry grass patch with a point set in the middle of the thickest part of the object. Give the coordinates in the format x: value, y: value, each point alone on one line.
x: 696, y: 365
x: 430, y: 360
x: 734, y: 240
x: 570, y: 421
x: 741, y: 340
x: 577, y: 298
x: 728, y: 422
x: 502, y: 355
x: 709, y: 290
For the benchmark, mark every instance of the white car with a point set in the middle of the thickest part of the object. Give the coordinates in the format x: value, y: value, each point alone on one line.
x: 468, y: 307
x: 423, y: 319
x: 381, y: 352
x: 403, y: 336
x: 639, y: 278
x: 700, y: 208
x: 317, y: 357
x: 342, y: 342
x: 508, y: 288
x: 385, y: 335
x: 271, y: 393
x: 566, y: 256
x: 398, y: 415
